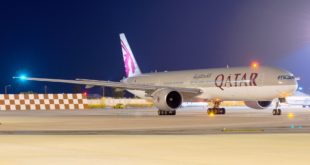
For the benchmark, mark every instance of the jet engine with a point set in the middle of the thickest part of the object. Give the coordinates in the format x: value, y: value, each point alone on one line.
x: 258, y: 104
x: 167, y: 99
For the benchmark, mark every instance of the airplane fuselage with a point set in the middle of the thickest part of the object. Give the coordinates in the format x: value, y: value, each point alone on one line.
x: 235, y: 83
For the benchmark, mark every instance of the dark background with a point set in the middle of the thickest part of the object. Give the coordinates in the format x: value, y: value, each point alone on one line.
x: 79, y: 39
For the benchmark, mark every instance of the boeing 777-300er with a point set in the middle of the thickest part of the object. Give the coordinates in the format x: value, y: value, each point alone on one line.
x: 256, y: 86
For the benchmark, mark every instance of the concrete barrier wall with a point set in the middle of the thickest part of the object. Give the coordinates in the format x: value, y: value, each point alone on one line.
x: 42, y: 101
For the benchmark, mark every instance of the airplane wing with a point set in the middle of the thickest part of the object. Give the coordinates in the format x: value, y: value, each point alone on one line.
x: 87, y: 82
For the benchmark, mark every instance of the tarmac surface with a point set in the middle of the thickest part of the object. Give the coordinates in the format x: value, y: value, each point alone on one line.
x: 139, y: 137
x: 189, y: 121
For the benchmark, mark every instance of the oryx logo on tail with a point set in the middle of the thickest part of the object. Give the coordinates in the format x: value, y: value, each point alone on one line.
x: 131, y: 66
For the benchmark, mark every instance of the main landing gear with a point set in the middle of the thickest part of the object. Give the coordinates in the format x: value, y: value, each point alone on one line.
x: 166, y: 112
x: 216, y: 109
x: 277, y: 110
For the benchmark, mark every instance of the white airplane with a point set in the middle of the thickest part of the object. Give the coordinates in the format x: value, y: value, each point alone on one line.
x: 256, y: 86
x: 299, y: 98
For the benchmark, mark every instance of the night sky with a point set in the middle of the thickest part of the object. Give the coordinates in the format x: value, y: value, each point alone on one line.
x: 79, y: 39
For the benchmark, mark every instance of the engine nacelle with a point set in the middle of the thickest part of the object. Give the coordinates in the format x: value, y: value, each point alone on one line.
x: 258, y: 104
x: 167, y: 99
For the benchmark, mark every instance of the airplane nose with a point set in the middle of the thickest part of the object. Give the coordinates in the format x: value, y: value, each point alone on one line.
x: 295, y: 84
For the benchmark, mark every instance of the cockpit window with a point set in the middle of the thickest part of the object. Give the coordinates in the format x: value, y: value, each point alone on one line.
x: 285, y: 77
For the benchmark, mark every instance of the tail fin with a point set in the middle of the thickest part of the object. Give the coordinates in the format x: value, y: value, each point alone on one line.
x: 131, y: 66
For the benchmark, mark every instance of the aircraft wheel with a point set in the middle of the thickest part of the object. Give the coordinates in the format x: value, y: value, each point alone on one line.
x: 209, y: 111
x: 223, y: 111
x: 159, y: 112
x: 162, y: 112
x: 219, y: 110
x: 279, y: 112
x: 174, y: 112
x: 276, y: 112
x: 166, y: 112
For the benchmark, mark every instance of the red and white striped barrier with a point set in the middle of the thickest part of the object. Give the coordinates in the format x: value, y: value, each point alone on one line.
x: 42, y: 101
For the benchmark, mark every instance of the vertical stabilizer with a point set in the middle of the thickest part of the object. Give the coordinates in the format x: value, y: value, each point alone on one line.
x: 131, y: 66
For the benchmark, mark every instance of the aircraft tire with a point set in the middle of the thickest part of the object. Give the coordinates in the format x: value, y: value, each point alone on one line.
x: 276, y: 112
x: 174, y: 112
x: 209, y: 111
x: 279, y: 112
x: 159, y: 112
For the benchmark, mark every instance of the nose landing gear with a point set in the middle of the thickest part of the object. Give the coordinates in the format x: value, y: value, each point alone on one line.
x: 277, y: 110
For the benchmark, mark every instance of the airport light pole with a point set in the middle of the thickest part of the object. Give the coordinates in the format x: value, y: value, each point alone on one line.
x: 45, y: 89
x: 6, y: 88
